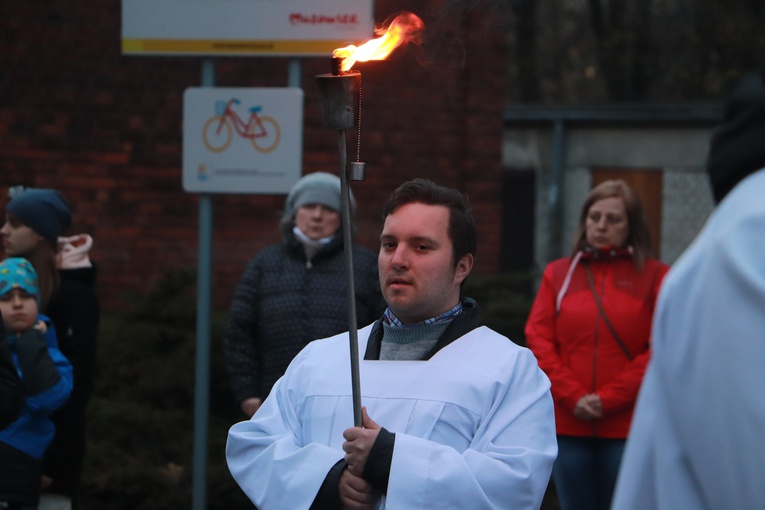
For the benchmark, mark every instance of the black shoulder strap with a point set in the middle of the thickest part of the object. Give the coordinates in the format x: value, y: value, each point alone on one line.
x: 604, y: 316
x: 462, y: 324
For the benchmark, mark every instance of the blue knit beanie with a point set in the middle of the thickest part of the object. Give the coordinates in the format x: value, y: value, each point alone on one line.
x: 18, y: 273
x: 43, y: 210
x: 316, y: 188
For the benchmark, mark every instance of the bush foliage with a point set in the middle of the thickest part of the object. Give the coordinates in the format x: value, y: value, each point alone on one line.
x: 504, y: 301
x: 141, y: 416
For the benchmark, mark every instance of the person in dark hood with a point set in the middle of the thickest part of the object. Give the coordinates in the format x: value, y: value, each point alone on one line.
x: 696, y: 440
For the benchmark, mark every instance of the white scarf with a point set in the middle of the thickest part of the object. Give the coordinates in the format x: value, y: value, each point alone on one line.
x: 310, y: 246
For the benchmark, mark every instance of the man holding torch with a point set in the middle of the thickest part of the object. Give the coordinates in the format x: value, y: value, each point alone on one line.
x: 455, y: 415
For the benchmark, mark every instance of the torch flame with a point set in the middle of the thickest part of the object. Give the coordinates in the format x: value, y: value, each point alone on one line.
x: 404, y: 28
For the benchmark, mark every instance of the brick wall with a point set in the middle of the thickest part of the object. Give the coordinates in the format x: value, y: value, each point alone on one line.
x: 105, y: 129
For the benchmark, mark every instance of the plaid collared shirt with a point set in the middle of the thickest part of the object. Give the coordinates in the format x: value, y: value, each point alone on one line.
x: 450, y: 314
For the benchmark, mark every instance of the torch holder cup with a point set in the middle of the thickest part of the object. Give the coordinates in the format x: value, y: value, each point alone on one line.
x: 339, y: 99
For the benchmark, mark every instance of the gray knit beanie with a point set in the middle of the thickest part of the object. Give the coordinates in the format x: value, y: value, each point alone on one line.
x: 43, y: 210
x: 316, y: 188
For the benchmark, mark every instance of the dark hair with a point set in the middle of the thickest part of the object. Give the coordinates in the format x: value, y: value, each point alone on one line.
x: 43, y: 258
x: 638, y: 235
x: 462, y: 228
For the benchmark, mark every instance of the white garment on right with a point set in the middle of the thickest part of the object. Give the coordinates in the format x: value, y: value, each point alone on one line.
x: 698, y: 435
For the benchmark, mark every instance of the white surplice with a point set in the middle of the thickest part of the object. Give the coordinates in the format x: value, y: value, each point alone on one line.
x: 474, y: 426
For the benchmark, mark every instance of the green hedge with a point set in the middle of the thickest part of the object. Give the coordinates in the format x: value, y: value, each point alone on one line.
x: 504, y: 301
x: 141, y: 416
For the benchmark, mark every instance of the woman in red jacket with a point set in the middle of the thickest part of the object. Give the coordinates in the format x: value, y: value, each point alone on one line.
x: 590, y: 328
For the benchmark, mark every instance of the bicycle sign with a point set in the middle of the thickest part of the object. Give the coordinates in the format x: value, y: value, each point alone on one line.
x: 242, y: 140
x: 263, y: 132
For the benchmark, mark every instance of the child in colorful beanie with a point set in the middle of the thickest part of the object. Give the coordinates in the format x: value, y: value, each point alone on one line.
x: 47, y: 379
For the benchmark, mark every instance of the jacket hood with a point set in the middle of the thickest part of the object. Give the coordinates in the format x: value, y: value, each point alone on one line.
x: 737, y: 147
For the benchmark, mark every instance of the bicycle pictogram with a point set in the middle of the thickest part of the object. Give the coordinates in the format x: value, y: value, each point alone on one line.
x: 263, y: 132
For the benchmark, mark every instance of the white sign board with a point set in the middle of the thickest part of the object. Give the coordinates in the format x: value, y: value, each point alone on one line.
x: 242, y: 140
x: 244, y: 27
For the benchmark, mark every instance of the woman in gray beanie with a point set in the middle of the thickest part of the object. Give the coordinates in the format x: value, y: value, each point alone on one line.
x: 295, y: 292
x: 35, y: 220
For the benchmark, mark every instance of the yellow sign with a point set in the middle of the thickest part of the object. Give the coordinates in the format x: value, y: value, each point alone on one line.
x: 164, y: 46
x: 243, y: 27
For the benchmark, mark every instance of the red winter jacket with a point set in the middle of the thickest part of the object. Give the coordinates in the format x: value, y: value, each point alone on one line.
x: 577, y: 351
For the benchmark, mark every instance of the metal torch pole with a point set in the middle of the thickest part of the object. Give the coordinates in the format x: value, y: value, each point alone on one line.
x: 339, y: 95
x: 353, y: 336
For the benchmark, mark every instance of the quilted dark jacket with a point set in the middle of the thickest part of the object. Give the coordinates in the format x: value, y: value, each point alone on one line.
x: 11, y: 392
x: 76, y: 313
x: 281, y: 303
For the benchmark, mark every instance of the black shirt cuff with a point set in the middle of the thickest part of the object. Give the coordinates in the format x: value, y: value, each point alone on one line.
x: 328, y: 497
x: 377, y: 468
